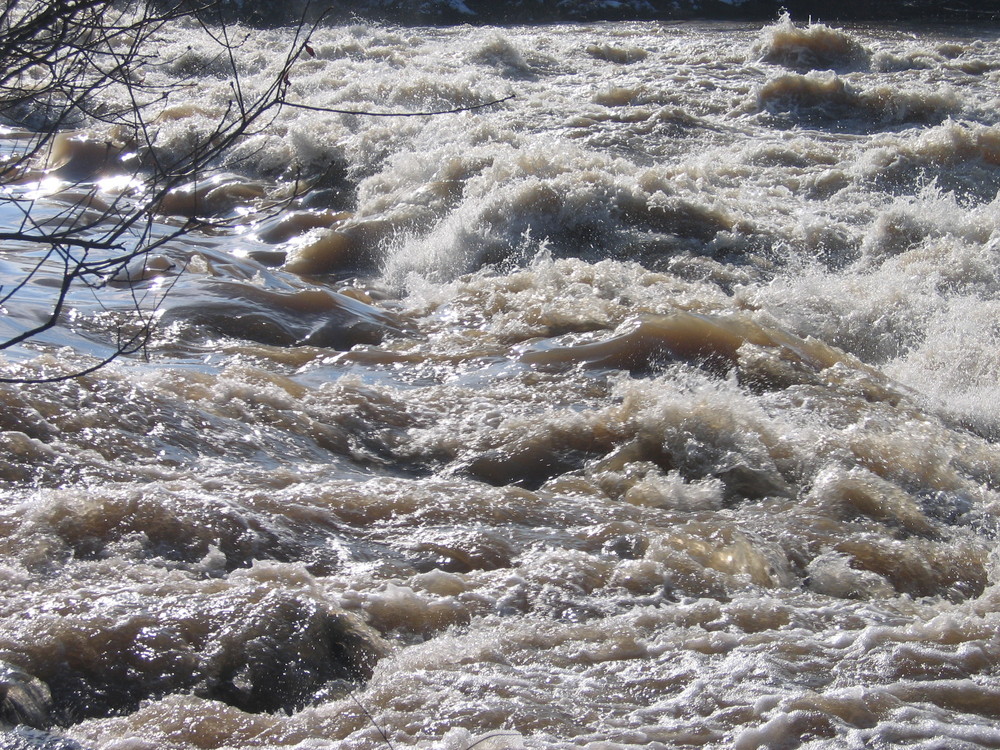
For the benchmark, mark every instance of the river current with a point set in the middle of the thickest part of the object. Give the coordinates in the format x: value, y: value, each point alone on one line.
x: 656, y: 406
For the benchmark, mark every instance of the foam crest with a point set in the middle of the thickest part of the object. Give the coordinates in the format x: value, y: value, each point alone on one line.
x: 828, y: 97
x: 816, y: 46
x: 955, y: 156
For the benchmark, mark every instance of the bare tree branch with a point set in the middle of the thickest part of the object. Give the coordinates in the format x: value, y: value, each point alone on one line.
x: 456, y: 110
x: 58, y: 60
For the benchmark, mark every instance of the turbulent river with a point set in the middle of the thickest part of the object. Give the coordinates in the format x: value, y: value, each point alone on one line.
x: 655, y: 406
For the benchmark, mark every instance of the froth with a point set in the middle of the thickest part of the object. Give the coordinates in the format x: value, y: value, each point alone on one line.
x: 814, y: 46
x: 670, y: 421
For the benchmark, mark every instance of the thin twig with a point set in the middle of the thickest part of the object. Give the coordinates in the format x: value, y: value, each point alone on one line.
x: 313, y: 108
x: 372, y: 720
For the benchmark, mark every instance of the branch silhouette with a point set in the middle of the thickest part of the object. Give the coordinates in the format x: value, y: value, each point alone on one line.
x: 365, y: 113
x: 57, y: 60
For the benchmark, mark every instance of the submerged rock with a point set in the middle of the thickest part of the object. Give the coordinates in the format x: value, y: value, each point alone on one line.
x: 252, y: 648
x: 24, y: 699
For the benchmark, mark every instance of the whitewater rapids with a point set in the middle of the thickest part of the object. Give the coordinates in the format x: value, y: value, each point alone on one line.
x: 657, y: 406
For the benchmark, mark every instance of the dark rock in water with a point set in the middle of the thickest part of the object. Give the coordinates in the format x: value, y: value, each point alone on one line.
x: 247, y: 645
x: 25, y: 708
x: 256, y: 676
x: 270, y: 655
x: 24, y: 699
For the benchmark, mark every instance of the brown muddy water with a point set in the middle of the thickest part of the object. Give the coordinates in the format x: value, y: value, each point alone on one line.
x: 657, y: 406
